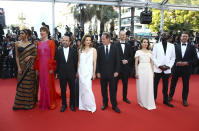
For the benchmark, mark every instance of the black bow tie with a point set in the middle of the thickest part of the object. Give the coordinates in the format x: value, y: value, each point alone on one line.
x: 122, y: 43
x: 184, y: 44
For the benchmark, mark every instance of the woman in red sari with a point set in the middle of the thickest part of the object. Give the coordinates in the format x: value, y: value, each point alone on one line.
x: 46, y: 65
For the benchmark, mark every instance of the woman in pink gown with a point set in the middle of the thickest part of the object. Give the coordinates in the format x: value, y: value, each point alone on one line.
x: 46, y: 66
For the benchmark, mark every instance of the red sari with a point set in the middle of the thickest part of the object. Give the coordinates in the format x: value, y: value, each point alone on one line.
x: 47, y: 96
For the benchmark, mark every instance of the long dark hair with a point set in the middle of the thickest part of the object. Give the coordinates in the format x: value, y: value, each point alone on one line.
x: 148, y: 47
x: 83, y: 42
x: 26, y: 32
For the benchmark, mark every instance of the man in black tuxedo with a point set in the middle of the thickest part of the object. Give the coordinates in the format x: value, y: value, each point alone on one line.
x: 66, y: 59
x: 108, y: 65
x: 125, y: 54
x: 185, y: 57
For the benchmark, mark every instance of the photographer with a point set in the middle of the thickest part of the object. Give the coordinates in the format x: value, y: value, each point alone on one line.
x: 57, y: 34
x: 80, y: 32
x: 68, y: 32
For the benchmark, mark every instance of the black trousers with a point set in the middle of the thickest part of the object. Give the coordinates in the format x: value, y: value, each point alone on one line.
x: 112, y: 91
x: 63, y: 85
x: 185, y: 80
x: 124, y: 79
x: 165, y: 79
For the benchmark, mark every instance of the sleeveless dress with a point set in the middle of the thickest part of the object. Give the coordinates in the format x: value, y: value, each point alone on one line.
x: 44, y: 52
x: 86, y: 96
x: 144, y: 83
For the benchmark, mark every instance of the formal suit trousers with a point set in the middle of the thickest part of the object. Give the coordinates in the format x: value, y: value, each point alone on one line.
x: 185, y: 80
x: 63, y: 85
x: 112, y: 91
x: 165, y: 80
x: 124, y: 79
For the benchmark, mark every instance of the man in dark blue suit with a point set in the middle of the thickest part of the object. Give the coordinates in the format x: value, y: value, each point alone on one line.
x: 185, y: 57
x: 108, y: 65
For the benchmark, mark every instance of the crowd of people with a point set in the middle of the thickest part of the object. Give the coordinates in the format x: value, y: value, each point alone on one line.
x: 78, y: 59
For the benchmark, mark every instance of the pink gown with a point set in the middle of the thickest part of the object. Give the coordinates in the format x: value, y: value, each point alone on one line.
x: 45, y: 54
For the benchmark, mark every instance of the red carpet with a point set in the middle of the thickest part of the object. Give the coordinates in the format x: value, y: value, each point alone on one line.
x: 131, y: 118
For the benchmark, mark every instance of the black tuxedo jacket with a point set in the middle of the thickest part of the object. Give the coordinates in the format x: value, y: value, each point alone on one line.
x: 107, y: 67
x: 66, y: 69
x: 127, y: 55
x: 190, y: 56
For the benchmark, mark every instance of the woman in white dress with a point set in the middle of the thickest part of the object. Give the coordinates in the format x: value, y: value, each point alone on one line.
x: 144, y: 76
x: 86, y: 73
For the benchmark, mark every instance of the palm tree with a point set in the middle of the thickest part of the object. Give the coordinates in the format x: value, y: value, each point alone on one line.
x: 84, y: 14
x: 104, y: 14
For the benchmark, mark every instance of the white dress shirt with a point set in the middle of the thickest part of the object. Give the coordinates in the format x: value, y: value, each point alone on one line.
x: 66, y: 52
x: 197, y: 51
x: 123, y: 46
x: 183, y: 49
x: 109, y: 45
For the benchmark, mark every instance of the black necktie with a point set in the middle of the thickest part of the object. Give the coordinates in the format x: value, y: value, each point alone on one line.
x: 183, y: 44
x: 106, y: 51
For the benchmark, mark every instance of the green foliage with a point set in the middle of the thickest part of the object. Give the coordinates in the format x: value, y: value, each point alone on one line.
x: 88, y: 11
x: 177, y: 20
x: 103, y: 14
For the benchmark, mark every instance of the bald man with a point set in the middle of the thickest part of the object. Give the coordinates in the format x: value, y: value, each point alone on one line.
x: 125, y: 55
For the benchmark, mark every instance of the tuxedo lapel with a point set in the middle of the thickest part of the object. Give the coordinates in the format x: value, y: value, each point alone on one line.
x: 168, y: 49
x: 103, y: 51
x: 111, y: 50
x: 187, y: 50
x: 161, y: 49
x: 120, y: 48
x: 62, y: 54
x: 69, y: 54
x: 179, y: 50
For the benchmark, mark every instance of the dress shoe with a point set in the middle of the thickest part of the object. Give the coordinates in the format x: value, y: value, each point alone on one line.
x: 72, y: 108
x: 168, y: 104
x: 104, y: 107
x: 127, y: 101
x: 185, y: 103
x: 63, y: 108
x: 116, y: 109
x: 170, y: 98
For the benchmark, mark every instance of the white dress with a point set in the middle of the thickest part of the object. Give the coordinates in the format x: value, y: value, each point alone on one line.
x: 144, y: 83
x: 85, y: 70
